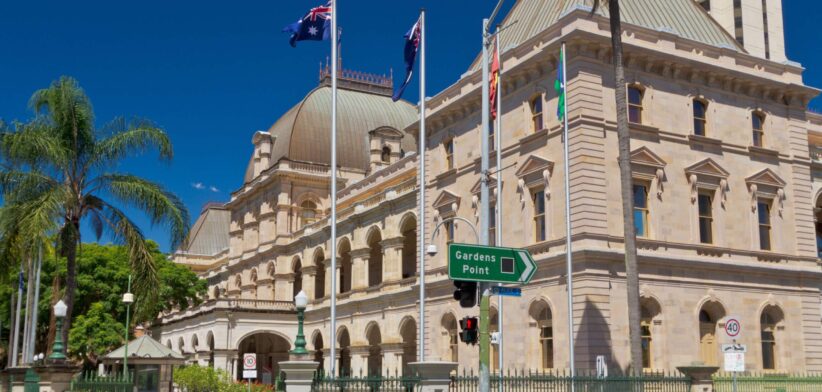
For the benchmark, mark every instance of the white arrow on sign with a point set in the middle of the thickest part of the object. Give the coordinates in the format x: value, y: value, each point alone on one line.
x: 530, y: 266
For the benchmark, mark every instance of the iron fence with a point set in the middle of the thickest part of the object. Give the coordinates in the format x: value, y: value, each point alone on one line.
x: 91, y: 382
x: 761, y: 382
x: 561, y: 381
x: 373, y: 383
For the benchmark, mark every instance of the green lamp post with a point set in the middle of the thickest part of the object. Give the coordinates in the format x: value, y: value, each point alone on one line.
x: 300, y: 302
x: 128, y: 299
x: 57, y: 354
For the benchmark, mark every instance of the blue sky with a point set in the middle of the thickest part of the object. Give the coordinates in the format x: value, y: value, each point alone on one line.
x: 213, y: 72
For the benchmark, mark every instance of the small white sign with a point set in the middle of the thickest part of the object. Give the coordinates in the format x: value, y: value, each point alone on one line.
x: 735, y: 362
x: 734, y: 348
x: 249, y: 365
x: 733, y: 327
x: 494, y: 337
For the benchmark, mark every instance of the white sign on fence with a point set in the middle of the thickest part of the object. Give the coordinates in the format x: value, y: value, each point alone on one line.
x: 249, y: 365
x: 735, y: 362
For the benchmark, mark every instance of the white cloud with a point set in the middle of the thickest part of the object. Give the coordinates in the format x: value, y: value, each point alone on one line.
x: 213, y: 189
x: 198, y: 185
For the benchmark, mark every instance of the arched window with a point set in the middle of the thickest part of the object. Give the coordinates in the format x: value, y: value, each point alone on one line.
x: 408, y: 332
x: 374, y: 258
x: 758, y: 128
x: 700, y: 117
x: 238, y: 282
x: 541, y: 314
x: 319, y: 276
x: 308, y: 213
x: 635, y: 94
x: 297, y: 286
x: 216, y: 291
x: 536, y: 113
x: 318, y: 349
x: 374, y: 361
x: 649, y: 310
x: 345, y: 266
x: 768, y: 323
x: 451, y: 334
x: 709, y: 315
x: 344, y: 364
x: 386, y: 154
x: 409, y: 247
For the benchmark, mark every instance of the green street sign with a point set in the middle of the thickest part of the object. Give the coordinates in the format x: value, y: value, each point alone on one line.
x: 490, y: 264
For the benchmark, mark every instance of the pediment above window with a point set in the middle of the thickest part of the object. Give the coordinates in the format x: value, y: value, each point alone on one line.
x: 446, y: 201
x: 708, y: 168
x: 535, y: 172
x: 534, y: 164
x: 708, y: 174
x: 643, y: 156
x: 767, y: 178
x: 766, y: 183
x: 387, y: 132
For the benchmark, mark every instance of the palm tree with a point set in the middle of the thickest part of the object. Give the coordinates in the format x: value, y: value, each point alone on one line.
x: 58, y: 172
x: 626, y: 185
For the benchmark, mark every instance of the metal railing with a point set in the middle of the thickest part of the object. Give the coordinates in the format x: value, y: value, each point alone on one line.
x: 748, y: 382
x: 561, y: 381
x: 395, y: 383
x: 91, y: 382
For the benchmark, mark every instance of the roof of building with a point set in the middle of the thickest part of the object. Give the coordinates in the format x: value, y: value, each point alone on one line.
x: 209, y: 235
x: 302, y: 133
x: 684, y: 18
x: 145, y: 348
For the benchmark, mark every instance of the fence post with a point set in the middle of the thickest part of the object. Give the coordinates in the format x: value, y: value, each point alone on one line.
x: 298, y: 375
x: 434, y: 376
x: 701, y: 377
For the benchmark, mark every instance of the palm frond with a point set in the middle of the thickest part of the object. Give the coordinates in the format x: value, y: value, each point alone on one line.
x: 21, y: 185
x: 130, y: 137
x: 161, y: 206
x: 35, y: 144
x: 27, y: 223
x: 65, y: 105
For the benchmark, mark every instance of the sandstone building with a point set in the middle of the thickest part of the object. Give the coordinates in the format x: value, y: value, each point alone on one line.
x: 727, y: 199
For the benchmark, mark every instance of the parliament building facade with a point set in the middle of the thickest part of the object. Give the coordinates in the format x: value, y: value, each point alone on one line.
x: 727, y: 183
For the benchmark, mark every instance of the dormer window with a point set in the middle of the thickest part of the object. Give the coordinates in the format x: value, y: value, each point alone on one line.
x: 386, y: 154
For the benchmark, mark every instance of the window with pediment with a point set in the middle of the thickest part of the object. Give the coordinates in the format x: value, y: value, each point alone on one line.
x: 767, y: 192
x: 709, y: 187
x: 533, y: 185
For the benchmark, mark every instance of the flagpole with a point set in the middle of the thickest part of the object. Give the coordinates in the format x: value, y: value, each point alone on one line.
x: 568, y: 249
x: 498, y: 204
x: 333, y: 221
x: 17, y: 317
x: 421, y: 220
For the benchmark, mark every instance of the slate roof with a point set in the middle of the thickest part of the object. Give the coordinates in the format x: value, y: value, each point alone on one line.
x: 144, y: 347
x: 684, y: 18
x: 209, y: 235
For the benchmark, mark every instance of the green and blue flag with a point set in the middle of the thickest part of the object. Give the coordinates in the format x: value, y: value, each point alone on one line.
x: 559, y: 86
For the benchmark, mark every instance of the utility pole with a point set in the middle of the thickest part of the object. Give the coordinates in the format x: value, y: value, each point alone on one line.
x: 485, y: 300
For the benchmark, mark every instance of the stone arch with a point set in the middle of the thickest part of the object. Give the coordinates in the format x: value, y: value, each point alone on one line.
x: 408, y: 230
x: 344, y: 343
x: 542, y: 331
x: 168, y: 344
x: 319, y: 273
x: 181, y: 345
x: 253, y: 282
x: 271, y: 269
x: 215, y: 292
x: 317, y: 344
x: 650, y: 313
x: 195, y: 342
x: 375, y: 256
x: 408, y: 334
x: 271, y: 348
x: 297, y: 270
x: 374, y: 338
x: 771, y: 326
x: 210, y: 347
x: 450, y: 333
x: 345, y: 264
x: 710, y: 312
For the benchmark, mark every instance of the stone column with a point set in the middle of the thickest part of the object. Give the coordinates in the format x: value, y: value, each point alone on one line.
x: 392, y: 359
x: 309, y: 275
x: 435, y: 376
x: 224, y: 359
x: 701, y: 377
x: 56, y: 378
x: 359, y: 268
x: 329, y: 274
x: 298, y: 375
x: 392, y: 259
x: 359, y: 360
x: 326, y: 365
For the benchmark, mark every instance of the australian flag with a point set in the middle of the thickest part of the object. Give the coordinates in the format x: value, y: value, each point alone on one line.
x: 314, y: 26
x: 412, y: 46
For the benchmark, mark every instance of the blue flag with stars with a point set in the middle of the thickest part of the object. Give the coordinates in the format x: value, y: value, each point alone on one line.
x: 314, y: 26
x: 412, y: 46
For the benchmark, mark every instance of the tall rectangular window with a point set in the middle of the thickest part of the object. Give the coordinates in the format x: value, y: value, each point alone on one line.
x: 706, y: 218
x: 454, y: 343
x: 641, y: 209
x: 738, y: 29
x: 758, y: 127
x: 449, y: 232
x: 536, y: 113
x: 645, y: 326
x: 539, y: 215
x: 763, y: 212
x: 700, y: 119
x: 449, y: 154
x: 635, y: 105
x: 546, y: 340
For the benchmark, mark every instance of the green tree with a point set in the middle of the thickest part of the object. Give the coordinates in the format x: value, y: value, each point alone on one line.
x: 94, y: 334
x: 626, y: 186
x: 57, y: 172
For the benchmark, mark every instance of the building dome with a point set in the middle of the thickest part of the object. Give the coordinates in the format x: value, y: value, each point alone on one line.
x: 303, y: 132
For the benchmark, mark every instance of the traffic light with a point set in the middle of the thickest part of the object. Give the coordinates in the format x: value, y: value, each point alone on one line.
x: 466, y: 293
x: 469, y: 330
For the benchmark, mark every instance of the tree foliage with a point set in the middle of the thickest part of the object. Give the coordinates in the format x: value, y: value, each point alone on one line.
x: 207, y: 379
x: 57, y: 172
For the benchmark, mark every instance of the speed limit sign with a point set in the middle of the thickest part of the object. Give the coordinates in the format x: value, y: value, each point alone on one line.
x: 733, y: 328
x: 249, y: 365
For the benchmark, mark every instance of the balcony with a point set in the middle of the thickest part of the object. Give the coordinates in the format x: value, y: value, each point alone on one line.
x: 233, y: 304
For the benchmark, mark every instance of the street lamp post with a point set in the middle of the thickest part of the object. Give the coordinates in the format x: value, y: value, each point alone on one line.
x: 57, y: 355
x: 300, y: 302
x: 128, y: 299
